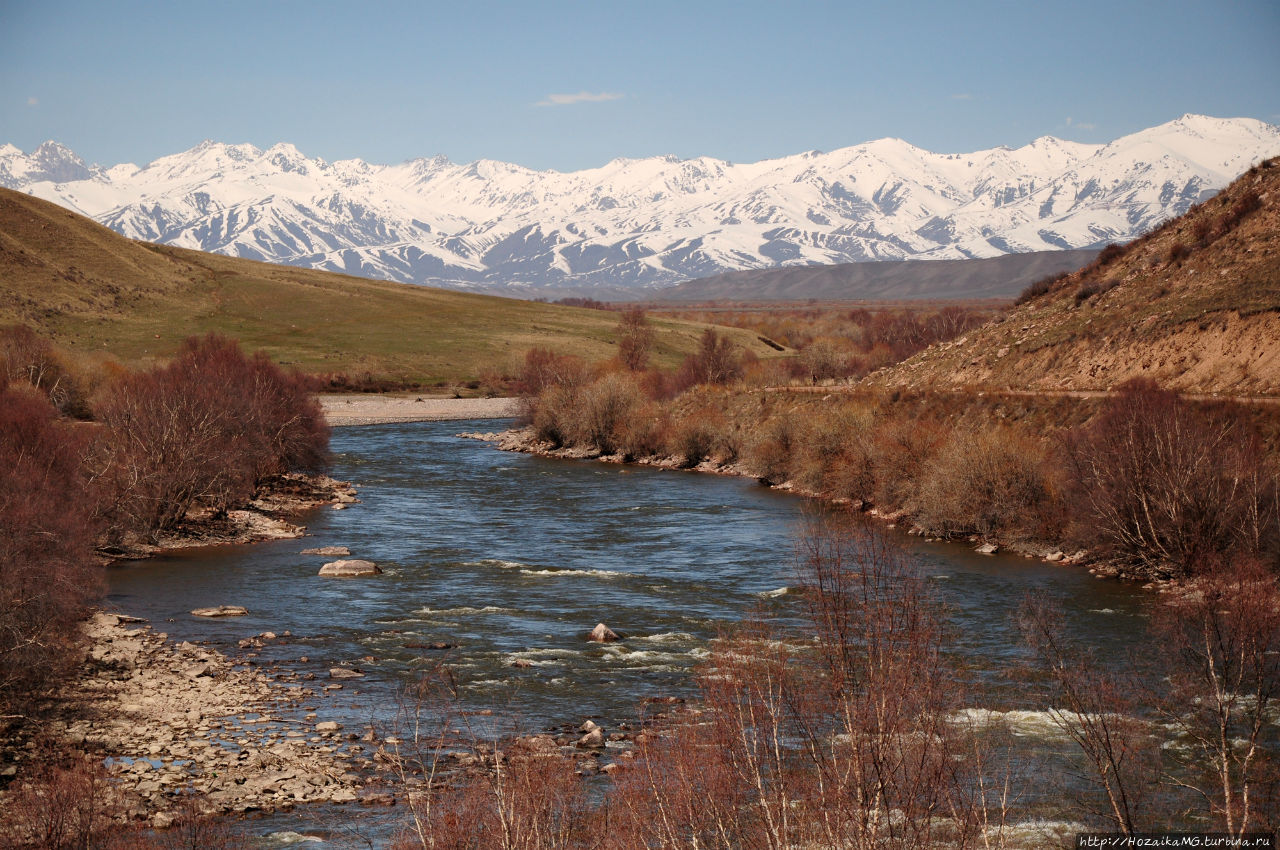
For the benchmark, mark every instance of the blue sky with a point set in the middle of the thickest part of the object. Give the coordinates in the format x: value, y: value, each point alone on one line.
x: 569, y: 85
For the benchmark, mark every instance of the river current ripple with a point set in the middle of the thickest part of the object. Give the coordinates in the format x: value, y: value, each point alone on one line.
x: 510, y: 559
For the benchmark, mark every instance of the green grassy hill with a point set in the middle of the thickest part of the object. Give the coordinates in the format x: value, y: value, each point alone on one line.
x: 91, y: 289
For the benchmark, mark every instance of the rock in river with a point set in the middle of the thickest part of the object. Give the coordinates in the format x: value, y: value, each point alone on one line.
x: 344, y: 673
x: 220, y: 611
x: 331, y: 551
x: 602, y: 634
x: 352, y: 567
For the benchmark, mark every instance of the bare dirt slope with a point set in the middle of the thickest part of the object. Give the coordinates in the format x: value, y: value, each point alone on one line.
x: 1194, y: 305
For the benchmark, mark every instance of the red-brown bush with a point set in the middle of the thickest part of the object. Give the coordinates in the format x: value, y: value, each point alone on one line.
x: 840, y: 738
x: 903, y: 450
x: 1096, y: 705
x: 1178, y: 252
x: 605, y: 407
x: 716, y: 362
x: 47, y: 574
x: 702, y: 434
x: 771, y: 455
x: 1220, y: 641
x: 1213, y: 684
x: 207, y: 429
x: 544, y: 368
x: 989, y: 481
x: 26, y: 357
x: 635, y: 339
x: 525, y: 802
x: 833, y: 455
x: 1109, y: 254
x: 62, y: 807
x: 1168, y: 486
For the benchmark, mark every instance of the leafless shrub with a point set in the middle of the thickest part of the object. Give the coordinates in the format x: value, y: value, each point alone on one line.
x: 1203, y: 232
x: 645, y: 433
x: 207, y: 429
x: 716, y: 362
x: 1097, y: 709
x: 604, y: 408
x: 544, y: 368
x: 835, y: 457
x: 842, y: 737
x: 1167, y: 486
x: 1086, y: 291
x: 635, y: 339
x: 1109, y: 254
x: 702, y: 435
x: 1220, y: 639
x: 679, y: 792
x: 903, y: 449
x: 989, y: 481
x: 823, y: 361
x: 62, y: 807
x: 479, y: 789
x: 1248, y: 203
x: 29, y: 358
x: 771, y: 454
x: 555, y: 414
x: 47, y: 574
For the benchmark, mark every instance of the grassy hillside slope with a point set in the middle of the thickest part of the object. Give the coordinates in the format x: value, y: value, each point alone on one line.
x: 1194, y: 305
x: 93, y: 290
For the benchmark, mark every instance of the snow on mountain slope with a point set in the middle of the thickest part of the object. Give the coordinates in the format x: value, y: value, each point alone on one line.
x: 649, y: 222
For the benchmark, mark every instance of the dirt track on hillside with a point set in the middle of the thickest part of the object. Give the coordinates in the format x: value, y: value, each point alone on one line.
x: 852, y: 388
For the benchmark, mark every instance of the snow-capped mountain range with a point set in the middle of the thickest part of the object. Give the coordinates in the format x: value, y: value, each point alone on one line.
x: 648, y: 222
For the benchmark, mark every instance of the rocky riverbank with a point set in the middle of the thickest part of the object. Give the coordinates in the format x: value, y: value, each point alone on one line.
x: 182, y: 721
x: 270, y: 516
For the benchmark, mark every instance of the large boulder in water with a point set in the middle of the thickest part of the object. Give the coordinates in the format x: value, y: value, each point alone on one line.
x: 602, y: 634
x: 349, y: 568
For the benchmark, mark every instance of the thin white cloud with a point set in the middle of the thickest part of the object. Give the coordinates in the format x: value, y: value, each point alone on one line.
x: 964, y: 96
x: 580, y: 97
x: 1081, y: 125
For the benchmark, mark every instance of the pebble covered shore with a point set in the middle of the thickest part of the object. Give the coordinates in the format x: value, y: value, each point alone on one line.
x: 172, y: 719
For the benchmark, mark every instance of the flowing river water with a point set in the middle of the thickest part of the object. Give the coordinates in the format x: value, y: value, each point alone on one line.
x: 510, y: 559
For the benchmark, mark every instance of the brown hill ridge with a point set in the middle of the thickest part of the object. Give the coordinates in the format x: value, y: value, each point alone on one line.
x: 1194, y: 304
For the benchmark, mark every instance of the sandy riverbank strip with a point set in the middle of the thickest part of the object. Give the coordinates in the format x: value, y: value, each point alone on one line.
x: 358, y: 409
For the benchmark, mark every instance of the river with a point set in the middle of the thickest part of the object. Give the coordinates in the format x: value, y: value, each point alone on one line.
x: 510, y: 559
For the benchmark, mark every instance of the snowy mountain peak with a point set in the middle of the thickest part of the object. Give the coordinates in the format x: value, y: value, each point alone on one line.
x: 653, y: 221
x: 50, y: 161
